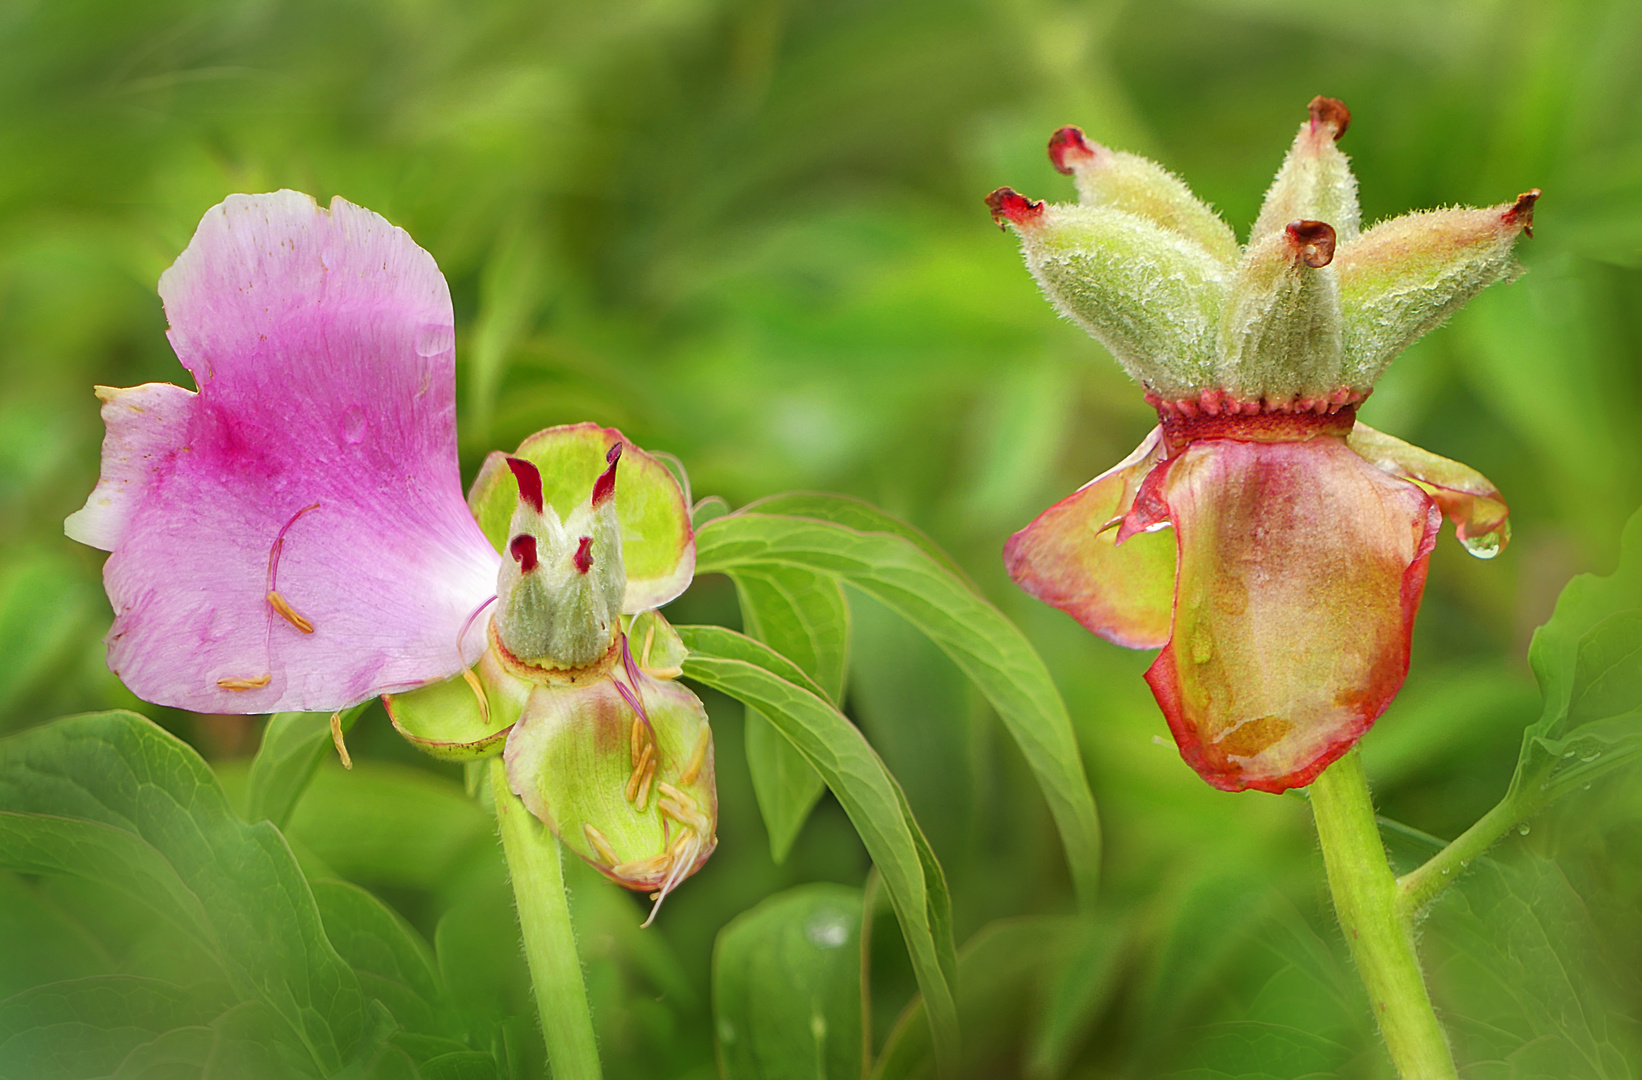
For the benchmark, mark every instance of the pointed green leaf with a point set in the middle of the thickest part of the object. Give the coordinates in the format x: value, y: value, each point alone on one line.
x: 901, y: 573
x: 787, y: 987
x: 293, y: 745
x: 150, y: 811
x: 802, y: 616
x: 1588, y: 659
x: 755, y: 675
x: 393, y: 963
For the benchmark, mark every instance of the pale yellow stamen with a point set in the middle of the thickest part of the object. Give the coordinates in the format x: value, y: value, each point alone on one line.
x: 597, y: 840
x: 289, y: 613
x: 644, y: 785
x: 336, y: 737
x: 639, y: 771
x: 239, y: 685
x: 478, y: 692
x: 698, y: 758
x: 635, y: 741
x: 649, y: 640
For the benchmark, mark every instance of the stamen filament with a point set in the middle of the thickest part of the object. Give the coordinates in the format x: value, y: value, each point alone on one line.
x: 336, y: 737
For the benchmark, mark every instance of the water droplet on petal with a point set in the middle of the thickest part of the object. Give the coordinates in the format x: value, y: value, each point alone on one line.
x: 1488, y: 544
x: 1522, y: 830
x: 353, y: 425
x: 434, y: 339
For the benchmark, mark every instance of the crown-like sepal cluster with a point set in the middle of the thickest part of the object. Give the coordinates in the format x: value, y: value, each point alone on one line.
x: 1304, y: 317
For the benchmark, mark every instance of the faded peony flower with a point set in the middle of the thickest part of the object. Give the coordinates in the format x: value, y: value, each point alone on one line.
x: 294, y: 537
x: 1285, y: 598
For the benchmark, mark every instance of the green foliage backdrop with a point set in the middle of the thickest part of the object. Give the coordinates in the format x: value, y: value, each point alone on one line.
x: 750, y: 233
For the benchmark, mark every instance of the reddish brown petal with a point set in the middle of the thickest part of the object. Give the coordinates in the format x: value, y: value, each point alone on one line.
x: 1469, y: 499
x: 1070, y: 558
x: 1301, y: 568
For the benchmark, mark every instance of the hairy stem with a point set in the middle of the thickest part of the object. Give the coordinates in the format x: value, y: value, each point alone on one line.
x: 533, y: 856
x: 1419, y: 887
x: 1381, y: 939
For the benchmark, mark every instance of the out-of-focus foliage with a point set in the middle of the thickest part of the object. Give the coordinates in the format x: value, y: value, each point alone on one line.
x: 749, y: 232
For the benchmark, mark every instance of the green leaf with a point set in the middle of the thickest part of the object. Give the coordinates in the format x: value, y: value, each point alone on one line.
x: 1001, y: 975
x: 804, y: 617
x: 85, y: 1027
x: 1519, y: 964
x: 754, y: 674
x: 393, y: 963
x: 153, y: 814
x: 902, y: 573
x: 293, y: 745
x: 787, y: 987
x: 1588, y: 659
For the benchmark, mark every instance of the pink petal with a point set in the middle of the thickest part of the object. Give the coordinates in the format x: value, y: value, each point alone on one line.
x: 322, y: 344
x: 1301, y: 568
x: 1070, y: 559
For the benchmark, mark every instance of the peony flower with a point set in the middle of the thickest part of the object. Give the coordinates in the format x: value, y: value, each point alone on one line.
x: 1284, y: 600
x: 293, y: 536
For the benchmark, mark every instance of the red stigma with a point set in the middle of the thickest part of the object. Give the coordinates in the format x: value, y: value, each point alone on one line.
x: 1313, y: 242
x: 530, y: 482
x: 1067, y: 146
x: 1521, y: 212
x: 1331, y: 111
x: 584, y: 555
x: 523, y: 550
x: 1009, y: 204
x: 605, y: 485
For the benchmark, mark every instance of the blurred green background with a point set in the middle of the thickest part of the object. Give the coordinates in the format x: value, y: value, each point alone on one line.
x: 750, y: 232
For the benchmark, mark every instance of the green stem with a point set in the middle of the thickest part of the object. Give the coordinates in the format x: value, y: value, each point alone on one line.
x: 533, y: 856
x: 1419, y: 887
x: 1382, y: 942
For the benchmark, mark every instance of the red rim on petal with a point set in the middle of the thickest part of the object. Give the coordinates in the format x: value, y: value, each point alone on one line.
x: 1073, y: 558
x: 1301, y: 570
x: 1468, y: 498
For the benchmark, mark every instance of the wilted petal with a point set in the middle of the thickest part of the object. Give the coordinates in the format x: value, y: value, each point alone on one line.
x: 658, y: 545
x: 321, y: 444
x: 636, y: 800
x: 1469, y: 499
x: 1069, y: 558
x: 1301, y: 568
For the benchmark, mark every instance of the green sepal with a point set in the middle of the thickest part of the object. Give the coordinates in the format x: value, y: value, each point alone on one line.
x: 1280, y: 335
x: 446, y: 719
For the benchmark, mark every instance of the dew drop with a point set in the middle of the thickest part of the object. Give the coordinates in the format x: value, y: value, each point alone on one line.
x: 353, y: 425
x: 1448, y: 870
x: 1586, y: 786
x: 1590, y: 754
x: 1522, y: 830
x: 434, y: 339
x: 1488, y: 545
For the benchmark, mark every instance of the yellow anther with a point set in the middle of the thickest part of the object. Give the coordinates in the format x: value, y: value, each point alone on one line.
x: 336, y: 737
x: 675, y: 794
x: 597, y: 841
x: 649, y: 640
x: 635, y: 741
x: 639, y: 771
x: 698, y: 757
x: 644, y: 785
x: 238, y: 685
x: 289, y: 613
x: 478, y: 692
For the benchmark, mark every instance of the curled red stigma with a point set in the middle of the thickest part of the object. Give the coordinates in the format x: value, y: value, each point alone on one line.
x: 605, y: 485
x: 1066, y: 146
x: 523, y: 550
x: 530, y: 482
x: 1331, y: 111
x: 1008, y: 204
x: 1313, y: 242
x: 584, y: 555
x: 1521, y: 212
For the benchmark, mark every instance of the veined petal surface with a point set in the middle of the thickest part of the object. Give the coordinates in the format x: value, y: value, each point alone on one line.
x: 1070, y: 559
x: 315, y: 469
x: 1301, y: 569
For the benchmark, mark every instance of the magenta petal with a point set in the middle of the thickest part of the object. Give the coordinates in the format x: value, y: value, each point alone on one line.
x: 322, y: 443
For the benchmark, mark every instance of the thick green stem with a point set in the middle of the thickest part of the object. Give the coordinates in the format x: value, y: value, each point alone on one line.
x: 533, y: 856
x: 1381, y: 939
